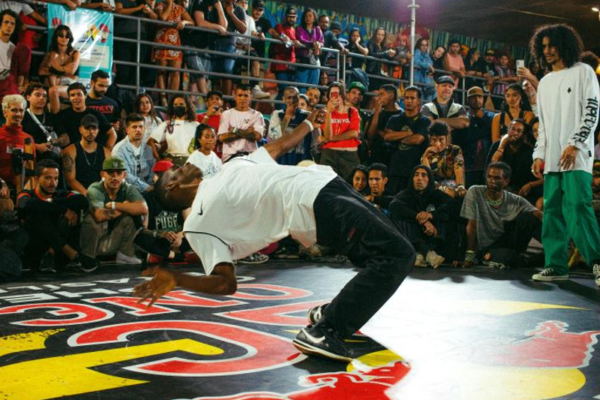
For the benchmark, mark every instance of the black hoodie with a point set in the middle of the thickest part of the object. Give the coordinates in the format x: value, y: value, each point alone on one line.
x: 408, y: 203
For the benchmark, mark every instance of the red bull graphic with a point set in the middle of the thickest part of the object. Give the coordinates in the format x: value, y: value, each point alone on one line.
x: 549, y: 345
x: 371, y: 384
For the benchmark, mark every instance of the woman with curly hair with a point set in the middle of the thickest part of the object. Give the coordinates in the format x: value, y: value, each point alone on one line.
x: 173, y: 140
x: 516, y: 105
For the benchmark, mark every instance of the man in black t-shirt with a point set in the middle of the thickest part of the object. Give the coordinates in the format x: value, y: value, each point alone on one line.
x: 97, y: 99
x: 48, y: 132
x: 206, y: 14
x: 162, y: 223
x: 71, y: 118
x: 407, y: 131
x: 236, y: 21
x: 385, y: 108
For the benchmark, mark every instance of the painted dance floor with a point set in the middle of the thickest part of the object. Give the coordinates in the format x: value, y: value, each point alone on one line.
x: 452, y: 334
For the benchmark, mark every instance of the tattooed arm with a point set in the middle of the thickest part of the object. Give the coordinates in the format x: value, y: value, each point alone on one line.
x: 69, y: 154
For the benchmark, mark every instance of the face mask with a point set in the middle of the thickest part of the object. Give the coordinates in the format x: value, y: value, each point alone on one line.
x: 179, y: 111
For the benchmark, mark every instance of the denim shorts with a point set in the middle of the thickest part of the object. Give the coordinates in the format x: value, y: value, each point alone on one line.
x: 223, y: 64
x: 197, y: 62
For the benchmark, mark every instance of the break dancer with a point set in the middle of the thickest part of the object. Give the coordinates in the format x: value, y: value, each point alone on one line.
x: 265, y: 202
x: 567, y: 101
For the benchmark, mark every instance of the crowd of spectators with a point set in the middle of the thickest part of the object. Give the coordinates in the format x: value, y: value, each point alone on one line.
x: 455, y: 178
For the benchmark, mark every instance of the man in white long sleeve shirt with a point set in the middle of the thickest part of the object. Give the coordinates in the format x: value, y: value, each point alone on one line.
x: 568, y: 111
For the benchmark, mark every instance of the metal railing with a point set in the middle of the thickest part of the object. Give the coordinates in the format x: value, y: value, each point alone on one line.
x: 339, y: 69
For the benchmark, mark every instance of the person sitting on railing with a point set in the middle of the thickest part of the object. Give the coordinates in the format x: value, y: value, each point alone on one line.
x: 174, y: 139
x: 236, y: 22
x: 378, y: 48
x: 443, y: 108
x: 424, y: 69
x: 127, y: 29
x: 145, y: 107
x: 60, y: 66
x: 241, y: 127
x: 474, y: 67
x: 285, y: 51
x: 311, y: 38
x: 15, y: 57
x: 453, y: 61
x: 503, y: 77
x: 174, y: 12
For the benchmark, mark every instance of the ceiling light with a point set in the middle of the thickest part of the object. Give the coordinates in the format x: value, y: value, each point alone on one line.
x: 595, y: 9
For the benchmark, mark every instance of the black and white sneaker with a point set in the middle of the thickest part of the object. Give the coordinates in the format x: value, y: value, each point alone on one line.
x: 596, y: 270
x: 322, y: 340
x: 83, y: 263
x: 47, y: 265
x: 316, y: 313
x: 549, y: 275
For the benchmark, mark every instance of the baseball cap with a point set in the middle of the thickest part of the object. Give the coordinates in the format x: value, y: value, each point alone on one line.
x: 475, y: 91
x: 357, y: 85
x: 214, y: 93
x: 162, y: 166
x: 335, y: 26
x: 490, y: 52
x: 291, y: 11
x: 89, y: 120
x: 445, y: 79
x: 596, y: 168
x: 258, y: 4
x: 113, y: 164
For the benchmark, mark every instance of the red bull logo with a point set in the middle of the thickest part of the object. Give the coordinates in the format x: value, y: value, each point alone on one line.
x: 371, y: 384
x: 549, y: 345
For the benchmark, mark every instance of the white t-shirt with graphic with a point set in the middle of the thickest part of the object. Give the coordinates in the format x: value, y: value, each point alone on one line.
x: 208, y: 164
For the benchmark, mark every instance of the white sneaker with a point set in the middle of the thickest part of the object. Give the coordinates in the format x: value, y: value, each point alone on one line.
x: 596, y: 269
x: 434, y: 259
x: 420, y: 261
x: 257, y: 93
x: 123, y: 259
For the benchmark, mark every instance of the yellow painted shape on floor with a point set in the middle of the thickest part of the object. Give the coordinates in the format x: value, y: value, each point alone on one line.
x: 70, y: 375
x: 496, y: 383
x: 25, y: 341
x: 373, y: 360
x: 501, y: 308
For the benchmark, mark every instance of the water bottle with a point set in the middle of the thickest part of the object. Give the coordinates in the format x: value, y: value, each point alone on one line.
x: 286, y: 40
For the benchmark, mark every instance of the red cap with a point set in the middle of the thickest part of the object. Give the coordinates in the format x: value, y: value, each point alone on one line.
x: 162, y: 166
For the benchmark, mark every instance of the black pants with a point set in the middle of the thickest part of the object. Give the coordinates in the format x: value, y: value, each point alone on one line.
x: 352, y: 226
x: 45, y: 233
x: 517, y: 235
x: 420, y: 241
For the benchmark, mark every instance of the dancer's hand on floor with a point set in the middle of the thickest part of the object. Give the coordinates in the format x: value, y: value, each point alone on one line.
x: 162, y: 282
